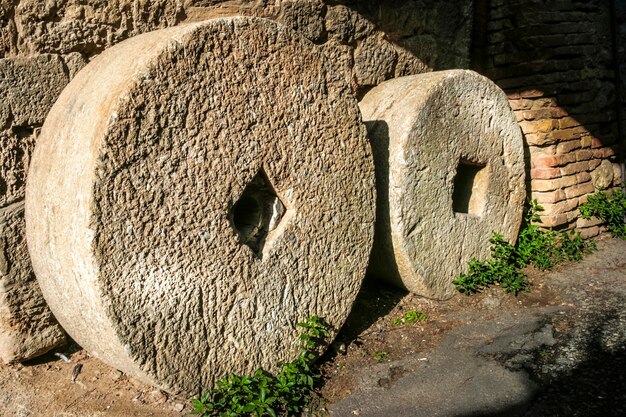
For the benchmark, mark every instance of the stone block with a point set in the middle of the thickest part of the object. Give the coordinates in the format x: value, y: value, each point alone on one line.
x: 340, y: 57
x: 593, y: 221
x: 539, y: 139
x: 567, y: 122
x: 30, y: 86
x: 450, y: 170
x: 545, y: 173
x: 553, y: 220
x: 565, y: 206
x: 584, y: 155
x: 374, y: 60
x: 617, y: 174
x: 568, y: 146
x: 15, y: 153
x: 226, y: 192
x: 542, y: 185
x: 549, y: 197
x: 589, y: 232
x: 408, y: 64
x: 346, y: 25
x: 538, y: 126
x: 602, y: 176
x: 576, y: 167
x: 88, y: 27
x: 520, y: 104
x: 304, y: 16
x: 554, y: 160
x: 579, y: 189
x: 27, y: 326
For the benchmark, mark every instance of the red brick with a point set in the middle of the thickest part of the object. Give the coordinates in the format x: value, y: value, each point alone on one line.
x: 564, y: 206
x: 584, y: 154
x: 575, y: 168
x: 554, y: 160
x: 593, y: 221
x: 553, y: 184
x: 543, y: 102
x: 568, y: 146
x: 538, y: 126
x: 538, y: 139
x: 583, y: 177
x: 553, y: 220
x: 579, y: 189
x: 569, y: 134
x: 549, y: 197
x: 531, y: 93
x: 596, y: 143
x: 545, y: 173
x: 603, y: 153
x: 589, y: 232
x: 568, y: 122
x: 558, y: 112
x: 585, y: 141
x: 537, y: 114
x: 520, y: 104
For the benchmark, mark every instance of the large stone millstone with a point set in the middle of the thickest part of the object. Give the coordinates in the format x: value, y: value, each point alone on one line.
x: 197, y: 191
x: 449, y: 171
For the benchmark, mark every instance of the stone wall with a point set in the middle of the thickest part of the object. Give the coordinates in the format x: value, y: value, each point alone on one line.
x: 44, y: 43
x: 555, y: 60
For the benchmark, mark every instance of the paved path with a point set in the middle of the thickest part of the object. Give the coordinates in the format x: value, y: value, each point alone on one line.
x: 565, y: 360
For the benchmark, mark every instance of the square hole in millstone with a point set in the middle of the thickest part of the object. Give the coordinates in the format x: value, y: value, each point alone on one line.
x: 470, y: 188
x: 257, y: 212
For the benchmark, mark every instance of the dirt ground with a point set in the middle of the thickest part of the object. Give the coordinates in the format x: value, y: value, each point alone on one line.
x: 370, y: 337
x: 47, y: 387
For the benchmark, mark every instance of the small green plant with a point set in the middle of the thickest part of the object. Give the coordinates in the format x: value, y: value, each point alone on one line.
x: 503, y: 269
x: 610, y: 207
x: 541, y: 248
x: 409, y: 317
x: 381, y: 355
x: 266, y: 395
x: 545, y: 353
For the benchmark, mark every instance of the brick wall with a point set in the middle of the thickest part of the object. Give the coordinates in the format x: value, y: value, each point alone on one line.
x: 555, y: 61
x: 620, y: 51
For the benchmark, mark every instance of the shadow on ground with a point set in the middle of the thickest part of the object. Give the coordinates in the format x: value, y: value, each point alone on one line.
x: 584, y: 374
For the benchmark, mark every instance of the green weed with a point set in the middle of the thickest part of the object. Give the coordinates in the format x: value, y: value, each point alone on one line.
x: 610, y: 207
x: 541, y: 248
x: 380, y: 356
x: 409, y: 317
x: 262, y: 394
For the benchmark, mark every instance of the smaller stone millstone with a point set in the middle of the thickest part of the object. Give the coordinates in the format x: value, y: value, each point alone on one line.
x: 194, y: 193
x: 449, y: 170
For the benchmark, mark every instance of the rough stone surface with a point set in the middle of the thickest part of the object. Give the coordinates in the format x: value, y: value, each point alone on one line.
x: 31, y: 86
x: 436, y: 32
x: 374, y: 60
x: 27, y: 327
x: 304, y: 16
x: 450, y: 171
x: 65, y: 26
x: 187, y: 207
x: 46, y: 43
x: 14, y: 160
